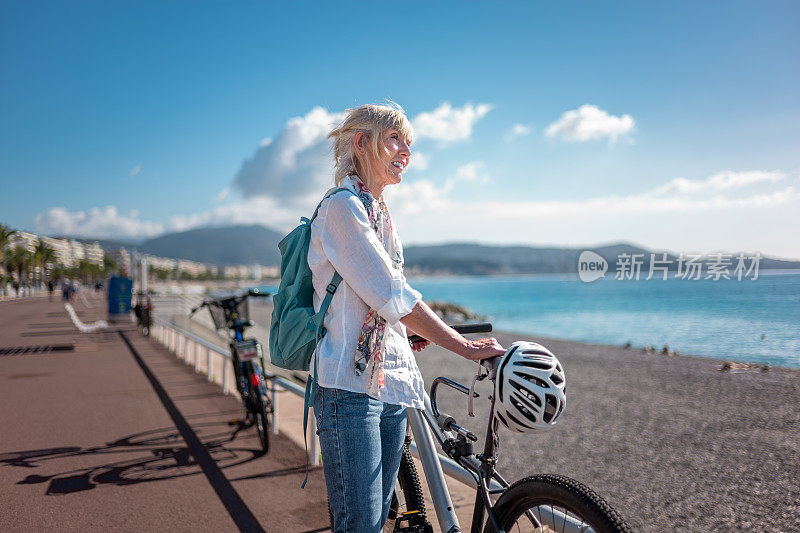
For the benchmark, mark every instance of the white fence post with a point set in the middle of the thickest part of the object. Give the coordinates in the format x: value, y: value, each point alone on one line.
x: 224, y: 378
x: 275, y: 388
x: 209, y: 370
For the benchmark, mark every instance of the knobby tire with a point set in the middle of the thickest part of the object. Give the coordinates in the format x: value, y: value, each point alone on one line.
x: 566, y: 494
x: 410, y: 486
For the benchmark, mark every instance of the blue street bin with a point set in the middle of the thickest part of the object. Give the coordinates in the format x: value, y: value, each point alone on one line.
x: 119, y: 298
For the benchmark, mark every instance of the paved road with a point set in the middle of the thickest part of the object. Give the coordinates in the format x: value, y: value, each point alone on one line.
x: 116, y: 434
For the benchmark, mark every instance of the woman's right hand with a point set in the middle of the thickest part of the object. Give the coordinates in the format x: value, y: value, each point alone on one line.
x: 481, y: 349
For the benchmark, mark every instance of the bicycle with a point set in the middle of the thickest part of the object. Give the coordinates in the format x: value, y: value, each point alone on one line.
x: 143, y: 310
x: 232, y: 313
x: 541, y: 502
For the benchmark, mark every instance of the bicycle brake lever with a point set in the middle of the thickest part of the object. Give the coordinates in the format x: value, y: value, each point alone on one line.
x: 472, y: 394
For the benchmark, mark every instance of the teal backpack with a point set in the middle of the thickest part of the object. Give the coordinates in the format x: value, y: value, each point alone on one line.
x: 295, y: 329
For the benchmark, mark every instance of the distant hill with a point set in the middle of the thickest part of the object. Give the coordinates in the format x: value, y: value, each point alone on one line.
x: 480, y: 259
x: 236, y: 245
x: 232, y: 245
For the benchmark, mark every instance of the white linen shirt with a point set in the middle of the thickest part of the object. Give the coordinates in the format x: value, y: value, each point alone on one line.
x: 343, y: 240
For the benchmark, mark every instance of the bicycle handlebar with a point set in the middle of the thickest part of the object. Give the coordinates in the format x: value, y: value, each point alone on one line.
x: 258, y: 294
x: 198, y: 308
x: 216, y: 301
x: 482, y: 327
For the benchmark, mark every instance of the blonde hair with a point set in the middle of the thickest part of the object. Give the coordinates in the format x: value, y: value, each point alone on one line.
x: 372, y: 120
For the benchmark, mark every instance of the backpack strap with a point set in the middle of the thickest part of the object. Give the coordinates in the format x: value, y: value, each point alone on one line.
x: 328, y: 195
x: 311, y: 384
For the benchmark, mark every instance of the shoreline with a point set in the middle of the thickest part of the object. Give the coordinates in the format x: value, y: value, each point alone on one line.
x: 639, y: 350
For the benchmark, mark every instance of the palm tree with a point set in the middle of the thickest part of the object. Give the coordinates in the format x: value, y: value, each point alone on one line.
x: 42, y: 255
x: 20, y: 259
x: 6, y: 234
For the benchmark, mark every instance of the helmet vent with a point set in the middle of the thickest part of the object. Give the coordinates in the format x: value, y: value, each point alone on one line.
x: 551, y: 409
x: 530, y: 415
x: 555, y: 378
x: 533, y: 379
x: 535, y: 364
x: 528, y: 394
x: 512, y: 417
x: 503, y: 420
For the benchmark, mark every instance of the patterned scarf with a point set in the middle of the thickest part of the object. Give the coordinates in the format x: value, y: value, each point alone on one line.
x: 369, y: 352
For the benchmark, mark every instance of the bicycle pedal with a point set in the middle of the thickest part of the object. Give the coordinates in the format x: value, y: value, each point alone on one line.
x: 416, y: 523
x: 236, y: 422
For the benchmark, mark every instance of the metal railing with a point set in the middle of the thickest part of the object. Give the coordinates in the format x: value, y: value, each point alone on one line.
x: 215, y: 362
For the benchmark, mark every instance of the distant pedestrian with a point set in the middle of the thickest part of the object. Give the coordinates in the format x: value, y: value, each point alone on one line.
x: 51, y: 286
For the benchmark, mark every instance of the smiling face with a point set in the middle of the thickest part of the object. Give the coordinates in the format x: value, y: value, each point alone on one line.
x: 395, y: 156
x: 387, y: 166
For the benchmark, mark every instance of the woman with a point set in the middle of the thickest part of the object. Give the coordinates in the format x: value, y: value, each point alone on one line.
x: 366, y: 371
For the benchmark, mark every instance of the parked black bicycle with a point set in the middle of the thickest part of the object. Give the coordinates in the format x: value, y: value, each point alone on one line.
x: 143, y: 310
x: 232, y: 313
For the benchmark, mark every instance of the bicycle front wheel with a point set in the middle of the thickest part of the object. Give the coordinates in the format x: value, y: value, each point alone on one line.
x: 554, y: 503
x: 409, y: 497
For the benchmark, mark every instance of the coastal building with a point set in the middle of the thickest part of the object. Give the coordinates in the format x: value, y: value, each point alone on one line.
x: 236, y: 272
x: 191, y: 268
x: 162, y: 263
x: 62, y: 250
x: 25, y: 240
x: 94, y: 253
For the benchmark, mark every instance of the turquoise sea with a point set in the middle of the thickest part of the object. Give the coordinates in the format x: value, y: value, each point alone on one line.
x: 756, y: 321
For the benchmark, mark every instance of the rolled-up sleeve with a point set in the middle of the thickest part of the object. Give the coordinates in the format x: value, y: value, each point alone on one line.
x: 354, y: 250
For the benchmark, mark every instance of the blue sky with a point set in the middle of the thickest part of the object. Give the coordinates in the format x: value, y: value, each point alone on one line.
x: 672, y: 125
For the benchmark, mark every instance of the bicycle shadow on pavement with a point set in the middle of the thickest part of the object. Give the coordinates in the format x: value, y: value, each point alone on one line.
x: 161, y: 454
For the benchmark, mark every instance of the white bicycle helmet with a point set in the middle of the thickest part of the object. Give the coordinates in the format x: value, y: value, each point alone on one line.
x: 530, y: 388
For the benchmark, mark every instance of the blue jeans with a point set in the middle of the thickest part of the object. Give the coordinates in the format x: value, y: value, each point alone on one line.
x: 362, y: 441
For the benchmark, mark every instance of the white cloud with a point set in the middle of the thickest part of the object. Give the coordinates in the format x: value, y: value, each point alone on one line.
x: 721, y: 181
x: 473, y: 171
x: 135, y: 170
x: 419, y: 161
x: 96, y: 222
x: 222, y: 195
x: 418, y: 196
x: 108, y: 222
x: 710, y: 219
x: 294, y: 166
x: 588, y: 123
x: 517, y: 130
x: 446, y: 123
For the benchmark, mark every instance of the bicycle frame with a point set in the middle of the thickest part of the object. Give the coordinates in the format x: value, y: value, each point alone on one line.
x: 479, y: 470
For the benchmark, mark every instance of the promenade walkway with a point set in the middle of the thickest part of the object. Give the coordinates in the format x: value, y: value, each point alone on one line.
x: 108, y: 431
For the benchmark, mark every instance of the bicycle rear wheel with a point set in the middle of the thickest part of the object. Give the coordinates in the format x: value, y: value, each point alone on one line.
x: 559, y: 504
